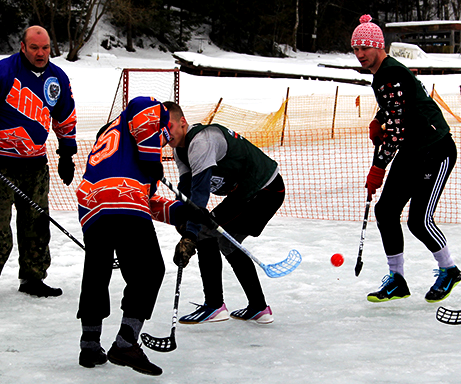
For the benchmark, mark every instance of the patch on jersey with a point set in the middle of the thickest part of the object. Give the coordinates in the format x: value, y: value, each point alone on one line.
x: 234, y: 134
x: 216, y: 183
x: 52, y: 90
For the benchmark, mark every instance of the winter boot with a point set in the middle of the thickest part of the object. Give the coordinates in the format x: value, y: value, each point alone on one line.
x: 89, y: 358
x: 38, y: 288
x: 133, y: 357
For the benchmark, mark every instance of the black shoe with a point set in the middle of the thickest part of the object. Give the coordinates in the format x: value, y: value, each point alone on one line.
x: 39, y: 288
x: 89, y: 358
x: 133, y: 357
x: 394, y: 287
x: 447, y: 279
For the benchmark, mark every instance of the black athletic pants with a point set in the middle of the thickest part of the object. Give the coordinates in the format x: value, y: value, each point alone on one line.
x: 248, y: 218
x: 419, y: 179
x: 135, y: 243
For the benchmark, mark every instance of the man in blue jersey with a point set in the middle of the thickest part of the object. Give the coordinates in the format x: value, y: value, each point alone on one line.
x: 417, y: 134
x: 35, y: 95
x: 214, y: 159
x: 117, y: 203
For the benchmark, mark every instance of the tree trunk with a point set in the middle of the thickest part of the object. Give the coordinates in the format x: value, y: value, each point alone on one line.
x: 129, y: 37
x: 295, y: 29
x: 53, y: 9
x: 82, y: 31
x: 314, y: 32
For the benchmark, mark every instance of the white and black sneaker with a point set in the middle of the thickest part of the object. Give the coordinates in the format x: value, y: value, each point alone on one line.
x: 261, y: 317
x: 206, y: 314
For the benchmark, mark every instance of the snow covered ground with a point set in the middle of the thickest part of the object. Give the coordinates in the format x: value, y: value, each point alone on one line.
x: 325, y: 331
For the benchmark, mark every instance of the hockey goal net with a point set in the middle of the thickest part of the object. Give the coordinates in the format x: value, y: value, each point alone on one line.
x: 163, y: 84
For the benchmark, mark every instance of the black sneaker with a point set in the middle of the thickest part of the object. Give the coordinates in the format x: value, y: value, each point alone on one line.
x: 39, y: 288
x: 89, y: 358
x: 447, y: 279
x: 133, y: 357
x: 394, y: 287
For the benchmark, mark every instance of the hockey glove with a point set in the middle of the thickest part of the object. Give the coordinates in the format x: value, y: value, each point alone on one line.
x: 185, y: 249
x: 153, y: 169
x: 66, y: 166
x: 376, y: 132
x: 374, y: 180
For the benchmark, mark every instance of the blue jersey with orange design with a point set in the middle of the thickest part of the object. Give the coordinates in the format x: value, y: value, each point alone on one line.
x: 113, y: 182
x: 29, y: 102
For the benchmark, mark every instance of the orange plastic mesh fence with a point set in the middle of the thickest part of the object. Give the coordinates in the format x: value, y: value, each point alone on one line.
x: 320, y: 143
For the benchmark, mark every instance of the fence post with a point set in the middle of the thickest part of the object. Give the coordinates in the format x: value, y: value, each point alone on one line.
x: 284, y: 118
x: 334, y: 114
x: 215, y: 111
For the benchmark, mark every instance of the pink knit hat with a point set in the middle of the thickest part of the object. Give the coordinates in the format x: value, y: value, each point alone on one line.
x: 367, y: 34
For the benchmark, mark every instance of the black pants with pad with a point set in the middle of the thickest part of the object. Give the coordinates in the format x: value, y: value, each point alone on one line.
x: 248, y: 218
x: 135, y: 243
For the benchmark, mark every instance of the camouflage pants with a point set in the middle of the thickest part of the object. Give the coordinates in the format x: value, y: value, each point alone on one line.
x: 33, y: 228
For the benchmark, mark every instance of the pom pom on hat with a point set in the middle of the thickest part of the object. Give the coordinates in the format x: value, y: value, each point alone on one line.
x: 367, y: 34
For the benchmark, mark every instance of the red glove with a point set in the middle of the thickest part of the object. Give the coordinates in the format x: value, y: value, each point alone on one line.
x: 376, y: 132
x: 374, y: 180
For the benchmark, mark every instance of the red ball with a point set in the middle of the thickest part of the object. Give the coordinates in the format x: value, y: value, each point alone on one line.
x: 337, y: 259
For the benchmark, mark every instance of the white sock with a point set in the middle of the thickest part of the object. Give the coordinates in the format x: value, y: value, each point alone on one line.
x: 395, y: 263
x: 443, y: 258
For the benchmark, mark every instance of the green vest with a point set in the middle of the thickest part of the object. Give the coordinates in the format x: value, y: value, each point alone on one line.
x: 244, y: 170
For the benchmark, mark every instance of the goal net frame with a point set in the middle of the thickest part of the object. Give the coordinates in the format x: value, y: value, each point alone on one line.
x: 139, y: 82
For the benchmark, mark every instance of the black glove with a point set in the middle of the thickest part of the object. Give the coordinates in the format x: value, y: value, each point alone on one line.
x: 198, y: 215
x: 66, y: 169
x: 66, y: 166
x: 185, y: 249
x: 153, y: 169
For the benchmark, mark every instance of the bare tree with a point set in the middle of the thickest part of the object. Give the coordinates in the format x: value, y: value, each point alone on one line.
x: 79, y: 30
x: 456, y: 7
x: 45, y: 11
x: 135, y: 17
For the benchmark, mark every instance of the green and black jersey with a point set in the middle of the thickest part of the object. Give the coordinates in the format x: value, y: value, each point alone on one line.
x: 243, y: 169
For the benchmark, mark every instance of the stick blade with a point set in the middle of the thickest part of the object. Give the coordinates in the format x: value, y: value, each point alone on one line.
x: 284, y: 267
x: 358, y: 266
x: 159, y: 344
x: 448, y: 316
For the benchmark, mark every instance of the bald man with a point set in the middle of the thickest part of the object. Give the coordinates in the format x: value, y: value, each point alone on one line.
x: 34, y: 96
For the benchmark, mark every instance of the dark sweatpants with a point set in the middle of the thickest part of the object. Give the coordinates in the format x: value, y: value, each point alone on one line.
x: 248, y: 218
x: 135, y: 243
x: 420, y: 179
x: 32, y: 227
